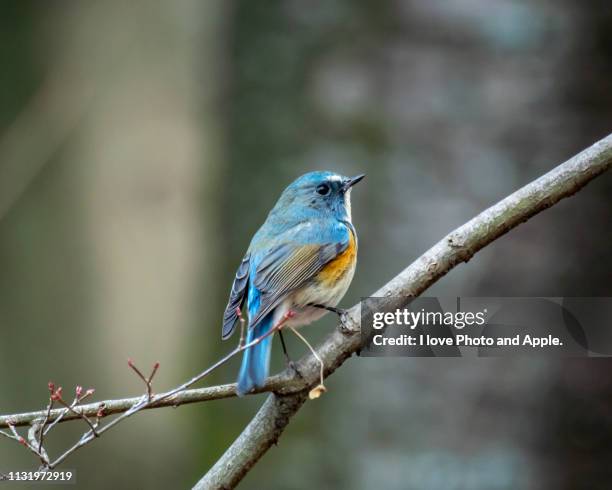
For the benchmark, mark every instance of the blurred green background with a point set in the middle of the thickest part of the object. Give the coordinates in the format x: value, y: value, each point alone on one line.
x: 142, y: 144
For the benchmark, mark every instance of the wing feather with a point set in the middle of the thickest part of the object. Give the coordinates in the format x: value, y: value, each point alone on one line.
x: 237, y: 294
x: 291, y: 266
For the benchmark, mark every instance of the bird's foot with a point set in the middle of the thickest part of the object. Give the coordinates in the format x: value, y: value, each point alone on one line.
x: 341, y: 312
x: 338, y: 311
x: 344, y: 327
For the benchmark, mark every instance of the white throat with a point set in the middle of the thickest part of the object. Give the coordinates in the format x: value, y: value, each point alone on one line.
x: 347, y: 204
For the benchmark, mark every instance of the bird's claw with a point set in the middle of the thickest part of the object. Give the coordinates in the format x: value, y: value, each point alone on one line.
x: 344, y: 328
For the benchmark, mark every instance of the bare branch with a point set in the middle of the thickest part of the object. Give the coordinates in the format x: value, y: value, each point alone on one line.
x: 317, y: 391
x: 147, y: 401
x: 261, y: 433
x: 290, y: 392
x: 78, y: 399
x: 70, y: 408
x: 23, y: 441
x: 34, y: 433
x: 9, y: 436
x: 41, y: 429
x: 147, y: 381
x: 112, y: 407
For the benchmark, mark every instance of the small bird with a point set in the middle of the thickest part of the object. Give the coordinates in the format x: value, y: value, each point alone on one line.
x: 298, y: 266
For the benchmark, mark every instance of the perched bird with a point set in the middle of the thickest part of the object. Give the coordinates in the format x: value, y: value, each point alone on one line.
x: 301, y: 260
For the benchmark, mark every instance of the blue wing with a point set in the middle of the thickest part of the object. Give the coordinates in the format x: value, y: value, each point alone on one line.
x: 285, y: 264
x: 236, y: 298
x: 291, y: 263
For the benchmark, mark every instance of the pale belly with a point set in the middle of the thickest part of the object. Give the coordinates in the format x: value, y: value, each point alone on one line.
x: 315, y: 293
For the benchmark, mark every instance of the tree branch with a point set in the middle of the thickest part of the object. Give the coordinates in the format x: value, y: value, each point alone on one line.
x: 290, y: 392
x: 457, y: 247
x: 125, y: 407
x: 112, y: 407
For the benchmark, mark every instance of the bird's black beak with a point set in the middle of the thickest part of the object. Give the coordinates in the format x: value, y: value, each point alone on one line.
x: 351, y: 182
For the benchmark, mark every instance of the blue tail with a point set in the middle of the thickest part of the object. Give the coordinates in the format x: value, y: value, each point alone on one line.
x: 256, y: 360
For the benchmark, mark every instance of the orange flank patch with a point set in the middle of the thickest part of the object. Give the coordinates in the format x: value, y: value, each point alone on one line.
x: 333, y: 271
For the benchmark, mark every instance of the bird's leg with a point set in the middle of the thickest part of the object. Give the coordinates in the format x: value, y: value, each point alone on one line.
x: 288, y: 362
x: 338, y: 311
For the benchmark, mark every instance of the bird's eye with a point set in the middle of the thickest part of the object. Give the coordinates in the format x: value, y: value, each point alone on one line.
x: 323, y: 189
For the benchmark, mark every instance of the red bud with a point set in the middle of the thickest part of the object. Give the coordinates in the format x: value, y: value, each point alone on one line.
x: 57, y: 395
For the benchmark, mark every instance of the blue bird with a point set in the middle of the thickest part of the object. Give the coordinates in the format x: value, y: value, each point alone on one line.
x: 301, y: 260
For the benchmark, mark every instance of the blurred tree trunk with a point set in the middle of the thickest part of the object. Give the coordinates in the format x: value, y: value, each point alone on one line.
x: 579, y: 429
x: 124, y: 238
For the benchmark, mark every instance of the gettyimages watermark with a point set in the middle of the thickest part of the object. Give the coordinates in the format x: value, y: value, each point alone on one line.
x: 486, y: 327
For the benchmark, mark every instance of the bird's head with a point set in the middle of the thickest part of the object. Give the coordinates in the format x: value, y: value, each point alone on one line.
x: 320, y: 193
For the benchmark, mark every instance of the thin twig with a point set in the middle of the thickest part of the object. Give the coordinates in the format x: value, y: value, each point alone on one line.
x: 9, y: 436
x: 317, y: 391
x: 222, y: 361
x: 41, y: 433
x: 26, y: 444
x: 61, y: 413
x: 80, y: 415
x: 285, y: 382
x: 147, y: 400
x: 146, y: 380
x: 33, y: 434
